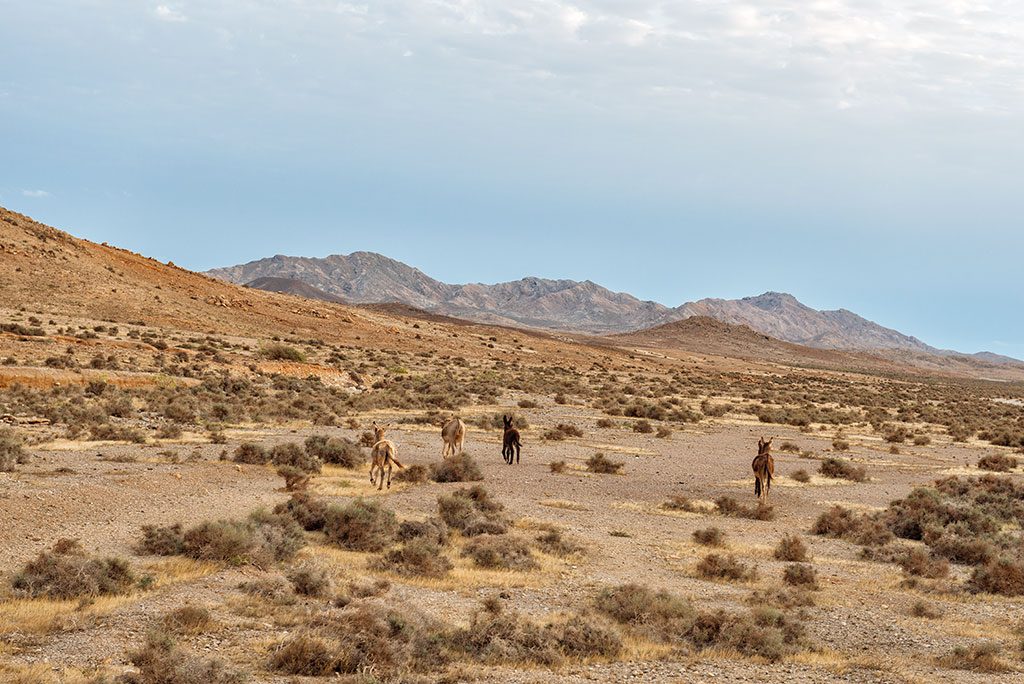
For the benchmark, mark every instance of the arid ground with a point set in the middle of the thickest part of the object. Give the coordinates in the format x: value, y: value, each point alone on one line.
x: 135, y: 394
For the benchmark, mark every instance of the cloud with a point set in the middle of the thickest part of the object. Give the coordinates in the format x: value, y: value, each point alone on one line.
x: 35, y: 193
x: 168, y: 13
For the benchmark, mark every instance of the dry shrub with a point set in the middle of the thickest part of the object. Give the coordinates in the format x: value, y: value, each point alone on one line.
x: 459, y: 468
x: 293, y: 455
x: 863, y: 529
x: 553, y: 542
x: 66, y: 571
x: 366, y: 636
x: 294, y: 479
x: 663, y: 432
x: 660, y: 616
x: 785, y: 597
x: 161, y: 540
x: 997, y: 463
x: 12, y: 451
x: 432, y: 529
x: 308, y: 511
x: 840, y: 444
x: 801, y: 575
x: 599, y: 463
x: 643, y: 427
x: 310, y: 579
x: 727, y: 505
x: 981, y: 657
x: 273, y: 588
x: 562, y: 431
x: 160, y: 661
x: 281, y: 352
x: 418, y: 557
x: 557, y: 466
x: 413, y: 474
x: 339, y: 451
x: 500, y: 552
x: 188, y: 619
x: 791, y: 548
x: 605, y: 423
x: 923, y: 609
x: 260, y: 539
x: 840, y: 469
x: 360, y: 526
x: 920, y: 563
x: 709, y: 536
x: 584, y: 635
x: 252, y: 453
x: 367, y: 438
x: 1003, y: 576
x: 801, y: 476
x: 725, y: 566
x: 472, y: 512
x: 369, y: 589
x: 680, y: 503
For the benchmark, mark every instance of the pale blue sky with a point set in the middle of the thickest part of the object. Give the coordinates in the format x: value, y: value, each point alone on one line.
x: 857, y: 153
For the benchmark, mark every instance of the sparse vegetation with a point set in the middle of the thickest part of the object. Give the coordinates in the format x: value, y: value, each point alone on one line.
x: 838, y: 468
x: 361, y: 525
x: 801, y: 575
x: 709, y: 536
x: 503, y: 552
x: 599, y: 463
x: 473, y: 512
x: 419, y: 556
x: 725, y: 566
x: 66, y: 571
x: 729, y: 506
x: 791, y: 548
x: 997, y: 463
x: 458, y: 468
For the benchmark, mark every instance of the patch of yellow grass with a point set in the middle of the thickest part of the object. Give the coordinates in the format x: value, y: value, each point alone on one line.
x: 562, y: 503
x: 180, y: 569
x: 44, y: 616
x: 617, y: 449
x: 349, y: 565
x: 336, y: 481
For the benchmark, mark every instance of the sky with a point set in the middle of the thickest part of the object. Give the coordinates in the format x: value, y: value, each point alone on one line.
x: 859, y: 154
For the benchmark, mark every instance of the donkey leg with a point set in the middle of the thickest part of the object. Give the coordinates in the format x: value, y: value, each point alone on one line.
x: 518, y: 448
x: 389, y: 476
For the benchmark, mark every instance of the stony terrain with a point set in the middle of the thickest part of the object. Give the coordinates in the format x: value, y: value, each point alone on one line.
x: 128, y: 389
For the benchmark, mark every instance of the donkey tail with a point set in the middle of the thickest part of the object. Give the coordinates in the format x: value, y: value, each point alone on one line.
x: 395, y: 461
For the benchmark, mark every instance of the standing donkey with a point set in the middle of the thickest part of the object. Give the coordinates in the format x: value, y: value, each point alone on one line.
x: 453, y: 432
x: 764, y: 468
x: 382, y: 455
x: 509, y: 441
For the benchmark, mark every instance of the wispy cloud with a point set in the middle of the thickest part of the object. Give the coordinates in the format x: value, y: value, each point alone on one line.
x: 35, y: 193
x: 168, y: 13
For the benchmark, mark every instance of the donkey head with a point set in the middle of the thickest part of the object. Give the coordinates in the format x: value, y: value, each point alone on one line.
x: 764, y: 446
x: 378, y: 431
x: 508, y: 422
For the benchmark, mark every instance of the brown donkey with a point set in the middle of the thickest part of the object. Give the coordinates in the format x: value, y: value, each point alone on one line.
x: 382, y: 456
x: 764, y: 468
x: 510, y: 441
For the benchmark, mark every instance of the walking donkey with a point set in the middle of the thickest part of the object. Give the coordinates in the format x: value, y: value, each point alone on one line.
x: 382, y: 455
x: 764, y: 468
x: 510, y: 441
x: 453, y: 432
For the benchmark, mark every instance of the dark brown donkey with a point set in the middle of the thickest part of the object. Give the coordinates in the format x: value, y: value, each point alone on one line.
x: 510, y: 441
x: 764, y: 468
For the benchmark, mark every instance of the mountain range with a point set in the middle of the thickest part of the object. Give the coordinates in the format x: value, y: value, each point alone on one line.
x: 565, y: 305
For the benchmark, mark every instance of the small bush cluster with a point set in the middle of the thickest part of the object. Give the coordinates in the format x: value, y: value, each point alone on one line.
x: 12, y: 451
x: 419, y: 557
x: 801, y: 575
x: 791, y: 548
x: 838, y: 468
x: 599, y: 463
x: 709, y: 536
x: 339, y: 451
x: 725, y: 566
x: 729, y: 506
x: 360, y: 526
x: 562, y: 431
x: 260, y: 539
x: 459, y: 468
x: 500, y: 552
x: 308, y: 511
x: 553, y: 542
x: 997, y: 463
x: 472, y: 512
x: 161, y: 661
x: 65, y: 572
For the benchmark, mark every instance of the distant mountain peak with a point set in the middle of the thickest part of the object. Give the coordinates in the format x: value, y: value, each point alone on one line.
x: 578, y: 306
